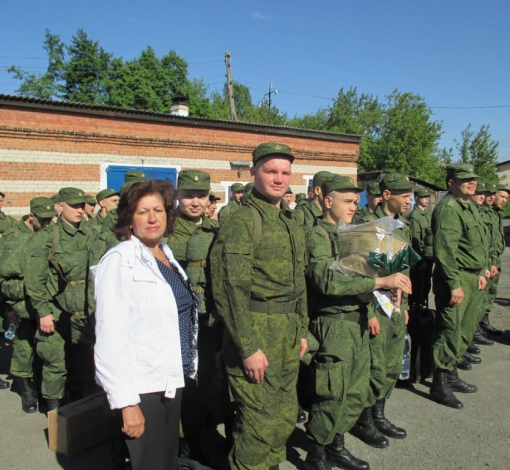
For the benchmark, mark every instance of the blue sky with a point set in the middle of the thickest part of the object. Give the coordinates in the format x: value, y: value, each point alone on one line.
x: 454, y: 53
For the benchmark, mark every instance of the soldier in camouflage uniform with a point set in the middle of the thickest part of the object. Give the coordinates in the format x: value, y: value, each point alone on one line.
x: 236, y: 192
x: 497, y: 249
x: 387, y: 335
x: 6, y: 221
x: 461, y: 260
x: 211, y: 208
x: 16, y: 242
x: 287, y: 197
x: 258, y: 263
x: 108, y: 199
x: 313, y: 210
x: 339, y: 323
x: 56, y: 283
x: 374, y: 198
x: 301, y: 199
x: 191, y: 243
x: 248, y: 187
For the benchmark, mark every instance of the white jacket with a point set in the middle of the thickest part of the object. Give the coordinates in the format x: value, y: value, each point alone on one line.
x: 137, y: 328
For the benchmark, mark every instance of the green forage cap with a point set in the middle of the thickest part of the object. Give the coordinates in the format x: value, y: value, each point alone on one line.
x: 194, y: 179
x: 396, y: 182
x: 249, y: 186
x: 135, y: 175
x: 237, y: 187
x: 462, y: 171
x: 72, y: 196
x: 300, y: 197
x: 289, y: 191
x: 421, y: 192
x: 339, y: 183
x: 42, y: 207
x: 214, y: 198
x: 105, y: 194
x: 481, y: 187
x: 320, y: 177
x: 374, y: 189
x: 503, y: 187
x: 90, y: 200
x: 271, y: 148
x: 490, y: 187
x: 55, y: 198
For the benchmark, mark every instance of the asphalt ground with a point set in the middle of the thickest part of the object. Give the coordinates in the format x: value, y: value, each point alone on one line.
x: 476, y: 437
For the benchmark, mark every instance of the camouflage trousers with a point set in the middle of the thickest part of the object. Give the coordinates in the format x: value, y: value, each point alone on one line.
x: 455, y: 326
x: 69, y: 348
x: 22, y: 362
x: 491, y: 291
x: 342, y: 377
x: 266, y: 412
x: 386, y: 351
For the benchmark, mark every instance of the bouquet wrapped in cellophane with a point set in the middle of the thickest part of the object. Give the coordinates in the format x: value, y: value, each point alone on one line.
x: 373, y: 250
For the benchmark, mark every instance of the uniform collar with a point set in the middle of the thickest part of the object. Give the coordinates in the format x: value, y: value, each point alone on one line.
x: 266, y: 207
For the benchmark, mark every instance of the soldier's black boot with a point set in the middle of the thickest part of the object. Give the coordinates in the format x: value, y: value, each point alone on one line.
x: 301, y: 415
x: 485, y: 324
x: 337, y: 454
x: 4, y: 384
x: 383, y: 424
x: 471, y: 359
x: 456, y: 384
x: 316, y: 458
x: 464, y: 364
x: 482, y: 339
x: 440, y: 391
x: 365, y: 430
x: 53, y: 403
x: 472, y: 349
x: 28, y: 395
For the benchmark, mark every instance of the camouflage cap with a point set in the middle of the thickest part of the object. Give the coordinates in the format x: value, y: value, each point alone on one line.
x: 373, y: 189
x: 461, y: 171
x: 396, y: 182
x: 320, y: 177
x: 90, y: 200
x: 249, y: 186
x: 490, y: 186
x: 300, y: 197
x: 421, y: 192
x: 339, y: 183
x: 72, y: 196
x: 271, y: 148
x: 194, y: 179
x: 237, y: 187
x: 55, y: 198
x: 129, y: 183
x: 481, y: 187
x: 105, y: 194
x: 134, y: 175
x: 213, y: 197
x: 289, y: 191
x: 43, y: 207
x: 503, y: 187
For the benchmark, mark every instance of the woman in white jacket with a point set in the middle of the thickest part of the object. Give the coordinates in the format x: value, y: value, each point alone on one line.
x: 146, y: 326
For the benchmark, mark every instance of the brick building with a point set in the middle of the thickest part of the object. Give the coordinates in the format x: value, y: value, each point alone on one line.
x: 46, y: 145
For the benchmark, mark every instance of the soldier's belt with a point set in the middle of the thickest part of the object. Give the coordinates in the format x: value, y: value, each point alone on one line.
x: 79, y: 314
x: 198, y: 290
x: 76, y: 283
x: 347, y: 316
x: 275, y: 308
x: 471, y: 271
x: 196, y: 264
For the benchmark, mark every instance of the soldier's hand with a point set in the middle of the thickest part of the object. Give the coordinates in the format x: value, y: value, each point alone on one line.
x: 494, y: 271
x: 303, y: 348
x: 373, y: 326
x: 134, y: 421
x: 457, y: 297
x: 482, y: 283
x: 255, y: 366
x: 47, y: 324
x: 395, y: 281
x: 406, y: 313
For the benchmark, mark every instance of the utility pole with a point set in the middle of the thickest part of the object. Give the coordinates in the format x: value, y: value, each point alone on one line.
x: 268, y: 94
x: 230, y: 85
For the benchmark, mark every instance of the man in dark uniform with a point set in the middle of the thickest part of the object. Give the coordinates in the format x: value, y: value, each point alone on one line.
x: 259, y: 290
x: 461, y: 260
x: 374, y: 198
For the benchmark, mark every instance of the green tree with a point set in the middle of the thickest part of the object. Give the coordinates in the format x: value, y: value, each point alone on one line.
x: 480, y: 150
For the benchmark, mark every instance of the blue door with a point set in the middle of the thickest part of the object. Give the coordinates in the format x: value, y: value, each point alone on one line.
x: 115, y: 174
x: 362, y: 199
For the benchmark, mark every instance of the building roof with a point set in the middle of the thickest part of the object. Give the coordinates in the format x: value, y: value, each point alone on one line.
x: 370, y: 176
x: 126, y: 113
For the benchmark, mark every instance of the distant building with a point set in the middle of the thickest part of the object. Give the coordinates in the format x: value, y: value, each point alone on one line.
x: 503, y: 169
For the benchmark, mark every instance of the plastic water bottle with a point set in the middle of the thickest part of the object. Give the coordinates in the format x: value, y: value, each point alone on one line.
x: 406, y: 358
x: 9, y: 334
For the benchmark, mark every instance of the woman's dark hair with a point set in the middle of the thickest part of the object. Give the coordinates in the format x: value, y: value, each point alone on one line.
x: 131, y: 197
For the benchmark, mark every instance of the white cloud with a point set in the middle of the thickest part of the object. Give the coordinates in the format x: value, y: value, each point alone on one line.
x: 258, y: 16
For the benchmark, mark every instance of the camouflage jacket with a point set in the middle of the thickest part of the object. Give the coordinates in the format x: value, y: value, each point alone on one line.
x: 419, y: 222
x: 178, y: 240
x: 331, y: 292
x: 6, y: 221
x: 360, y: 214
x: 57, y: 269
x: 226, y: 210
x: 458, y: 240
x: 312, y: 214
x: 271, y: 269
x: 498, y: 236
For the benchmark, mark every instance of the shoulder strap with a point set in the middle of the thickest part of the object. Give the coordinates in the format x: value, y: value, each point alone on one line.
x: 257, y: 232
x: 54, y: 244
